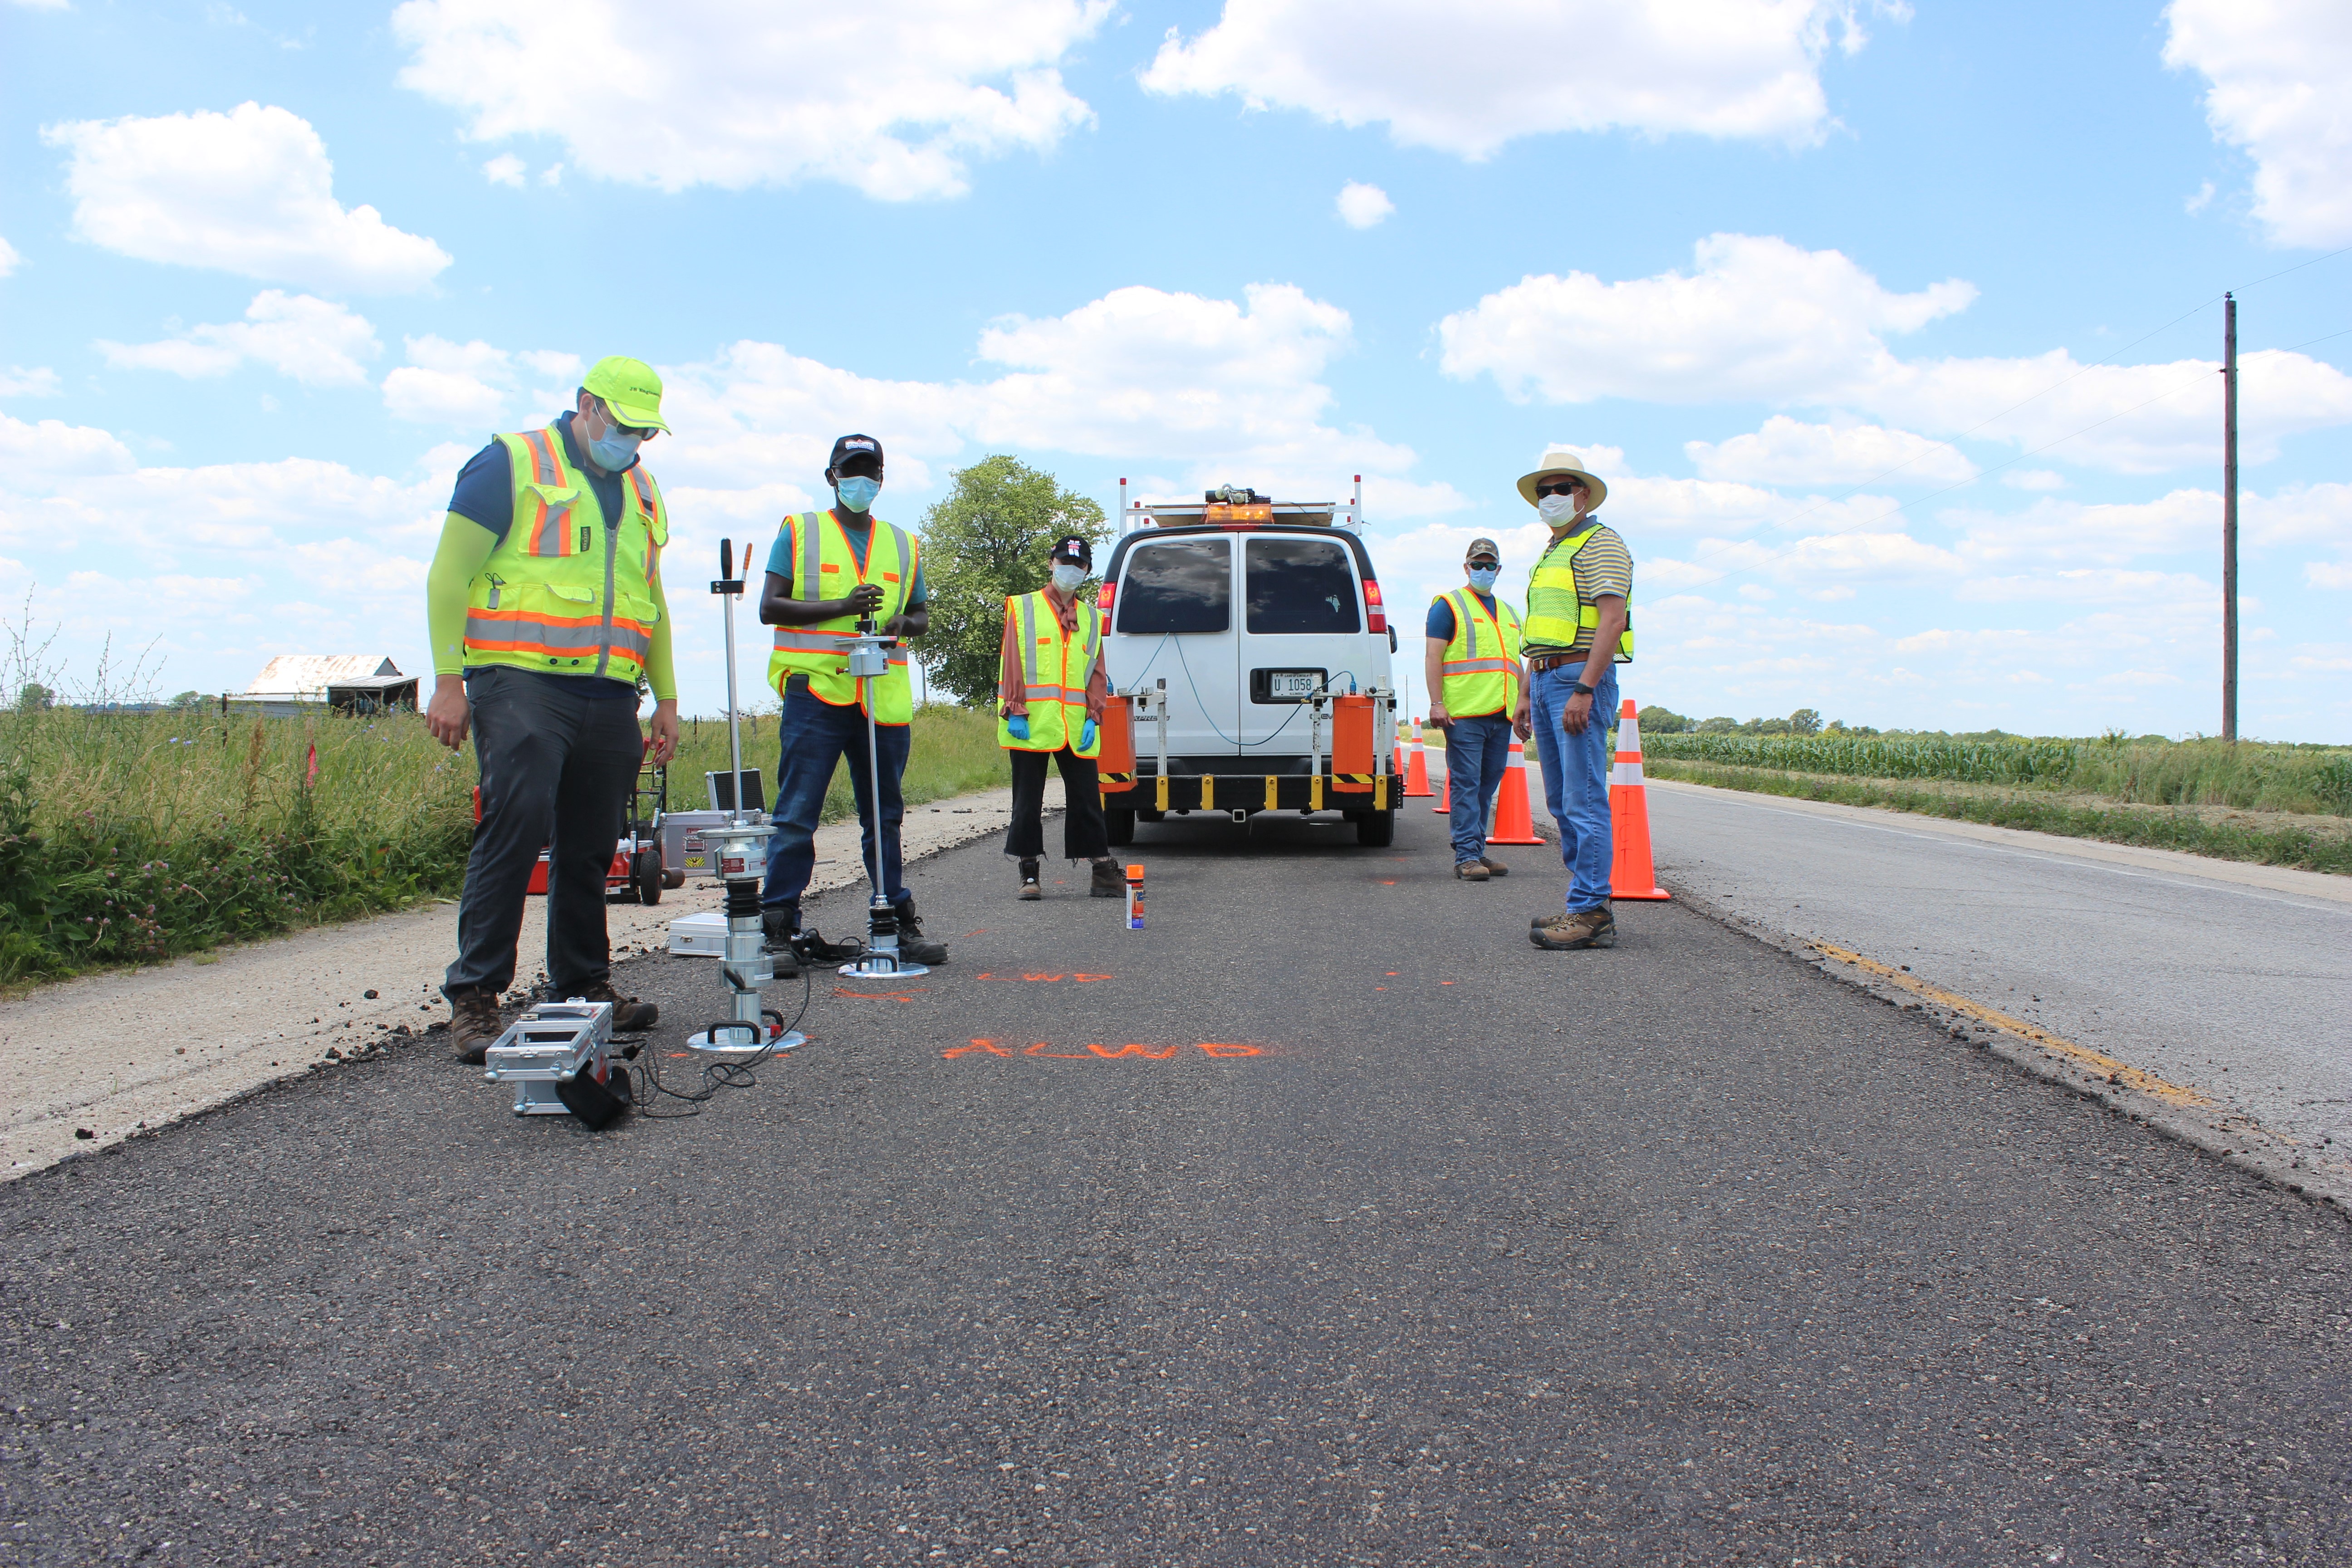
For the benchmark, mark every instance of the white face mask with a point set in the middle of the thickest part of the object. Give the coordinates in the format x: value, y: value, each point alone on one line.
x: 1068, y: 577
x: 1556, y: 510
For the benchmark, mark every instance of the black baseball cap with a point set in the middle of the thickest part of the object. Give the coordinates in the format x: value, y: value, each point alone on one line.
x: 1074, y: 547
x: 852, y: 447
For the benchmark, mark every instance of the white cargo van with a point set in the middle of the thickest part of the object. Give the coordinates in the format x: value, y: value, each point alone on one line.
x: 1235, y: 626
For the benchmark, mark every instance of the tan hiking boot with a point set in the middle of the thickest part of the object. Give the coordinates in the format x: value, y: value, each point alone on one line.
x: 1471, y: 871
x: 1595, y: 927
x: 1494, y: 867
x: 630, y: 1016
x: 1109, y: 879
x: 473, y: 1026
x: 1030, y: 889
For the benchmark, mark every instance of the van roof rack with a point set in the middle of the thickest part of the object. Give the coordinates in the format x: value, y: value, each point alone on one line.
x: 1236, y: 506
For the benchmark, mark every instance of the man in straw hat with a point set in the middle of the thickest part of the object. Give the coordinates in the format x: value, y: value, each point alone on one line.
x: 1576, y: 632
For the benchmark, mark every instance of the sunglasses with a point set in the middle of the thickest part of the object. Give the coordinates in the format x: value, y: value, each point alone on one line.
x: 1558, y: 488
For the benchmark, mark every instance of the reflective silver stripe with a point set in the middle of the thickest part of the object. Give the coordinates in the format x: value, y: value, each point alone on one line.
x: 543, y: 465
x: 1477, y: 666
x: 1042, y: 693
x: 1029, y: 641
x: 1468, y: 614
x: 583, y: 636
x: 548, y: 539
x: 805, y: 585
x: 800, y: 639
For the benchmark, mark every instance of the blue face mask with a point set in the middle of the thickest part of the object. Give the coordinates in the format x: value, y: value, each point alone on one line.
x: 614, y: 450
x: 856, y: 491
x: 1482, y: 578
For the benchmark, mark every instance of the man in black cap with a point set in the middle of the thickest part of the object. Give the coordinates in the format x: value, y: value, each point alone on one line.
x: 1050, y: 699
x: 828, y: 571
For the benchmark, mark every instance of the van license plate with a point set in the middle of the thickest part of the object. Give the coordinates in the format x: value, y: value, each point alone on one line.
x: 1302, y: 684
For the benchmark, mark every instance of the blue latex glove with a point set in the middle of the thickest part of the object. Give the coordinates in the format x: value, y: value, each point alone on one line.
x: 1086, y: 736
x: 1019, y: 724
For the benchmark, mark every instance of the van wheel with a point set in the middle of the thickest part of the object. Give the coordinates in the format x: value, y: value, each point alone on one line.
x: 1121, y: 824
x: 1376, y: 829
x: 1150, y: 813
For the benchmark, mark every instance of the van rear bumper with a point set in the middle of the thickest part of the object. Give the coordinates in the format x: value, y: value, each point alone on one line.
x: 1252, y: 791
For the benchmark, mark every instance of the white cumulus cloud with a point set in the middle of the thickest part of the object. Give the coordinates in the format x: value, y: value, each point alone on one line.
x: 1468, y: 81
x: 1787, y: 452
x: 1759, y: 319
x: 18, y: 381
x: 8, y: 259
x: 250, y: 191
x: 314, y: 341
x: 893, y: 97
x: 2280, y: 76
x: 470, y: 383
x: 1362, y: 206
x: 505, y: 169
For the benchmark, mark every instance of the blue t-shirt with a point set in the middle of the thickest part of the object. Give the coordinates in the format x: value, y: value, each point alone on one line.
x: 1440, y: 615
x: 861, y: 538
x: 485, y: 494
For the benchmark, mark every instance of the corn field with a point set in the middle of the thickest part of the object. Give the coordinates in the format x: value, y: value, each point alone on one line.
x: 2248, y: 776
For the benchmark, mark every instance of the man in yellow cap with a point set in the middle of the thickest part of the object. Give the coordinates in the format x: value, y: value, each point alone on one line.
x: 1576, y: 632
x: 548, y: 620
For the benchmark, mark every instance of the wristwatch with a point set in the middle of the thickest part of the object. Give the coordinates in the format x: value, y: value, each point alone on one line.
x: 1579, y: 689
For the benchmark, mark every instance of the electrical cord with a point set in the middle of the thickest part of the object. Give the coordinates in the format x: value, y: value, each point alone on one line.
x: 716, y: 1075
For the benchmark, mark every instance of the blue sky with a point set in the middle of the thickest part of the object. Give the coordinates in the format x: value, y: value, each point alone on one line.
x: 1813, y: 285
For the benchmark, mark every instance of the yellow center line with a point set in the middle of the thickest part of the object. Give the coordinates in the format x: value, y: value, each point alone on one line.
x: 2104, y: 1065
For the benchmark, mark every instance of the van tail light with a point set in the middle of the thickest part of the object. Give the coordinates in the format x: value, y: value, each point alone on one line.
x: 1375, y: 618
x: 1103, y: 602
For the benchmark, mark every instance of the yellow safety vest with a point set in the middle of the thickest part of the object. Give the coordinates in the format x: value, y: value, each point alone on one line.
x: 1556, y: 617
x: 1054, y: 670
x: 1481, y: 669
x: 563, y: 591
x: 824, y: 567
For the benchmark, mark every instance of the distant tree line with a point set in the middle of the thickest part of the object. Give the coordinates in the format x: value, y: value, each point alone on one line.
x: 1660, y: 721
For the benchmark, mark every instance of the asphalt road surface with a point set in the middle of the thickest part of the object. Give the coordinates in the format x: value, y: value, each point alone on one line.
x: 1325, y: 1221
x: 2176, y: 966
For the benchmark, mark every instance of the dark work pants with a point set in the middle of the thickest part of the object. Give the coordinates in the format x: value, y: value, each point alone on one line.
x: 556, y: 772
x: 1085, y: 835
x: 815, y: 738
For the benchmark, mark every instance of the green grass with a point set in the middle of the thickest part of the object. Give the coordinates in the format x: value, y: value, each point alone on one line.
x: 135, y: 838
x: 2248, y: 776
x: 2180, y: 827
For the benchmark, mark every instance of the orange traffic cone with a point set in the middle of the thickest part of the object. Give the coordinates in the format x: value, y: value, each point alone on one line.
x: 1444, y: 806
x: 1416, y: 773
x: 1632, y: 875
x: 1514, y: 817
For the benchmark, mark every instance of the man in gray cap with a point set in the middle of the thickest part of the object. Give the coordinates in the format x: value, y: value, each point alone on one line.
x: 1472, y: 671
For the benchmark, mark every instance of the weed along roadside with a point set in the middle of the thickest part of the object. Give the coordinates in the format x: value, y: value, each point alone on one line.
x: 137, y: 837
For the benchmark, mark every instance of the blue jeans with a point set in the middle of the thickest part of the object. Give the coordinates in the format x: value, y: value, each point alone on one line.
x: 1476, y: 752
x: 1576, y: 777
x: 816, y: 736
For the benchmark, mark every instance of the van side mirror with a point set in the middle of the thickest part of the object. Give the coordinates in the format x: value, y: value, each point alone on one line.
x: 1392, y: 642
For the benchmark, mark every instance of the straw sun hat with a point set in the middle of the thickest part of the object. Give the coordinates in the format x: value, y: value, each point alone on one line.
x: 1559, y: 460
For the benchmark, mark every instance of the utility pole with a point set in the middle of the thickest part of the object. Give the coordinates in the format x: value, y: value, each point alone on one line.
x: 2229, y: 517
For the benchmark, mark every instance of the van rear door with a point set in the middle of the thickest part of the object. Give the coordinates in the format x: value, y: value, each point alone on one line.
x: 1172, y: 619
x: 1302, y: 621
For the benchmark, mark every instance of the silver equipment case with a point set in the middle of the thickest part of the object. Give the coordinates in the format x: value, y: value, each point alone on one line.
x: 548, y: 1046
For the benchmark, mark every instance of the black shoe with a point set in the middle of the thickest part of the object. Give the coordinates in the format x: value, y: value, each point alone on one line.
x: 473, y: 1025
x: 630, y: 1016
x: 912, y: 945
x: 778, y: 927
x: 1109, y: 879
x: 1029, y: 887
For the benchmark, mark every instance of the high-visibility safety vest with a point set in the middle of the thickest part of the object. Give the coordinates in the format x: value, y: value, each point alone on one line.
x: 1054, y: 670
x: 824, y: 567
x: 1556, y: 617
x: 566, y: 590
x: 1481, y: 669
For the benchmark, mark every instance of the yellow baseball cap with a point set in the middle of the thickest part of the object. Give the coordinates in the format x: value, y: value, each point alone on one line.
x: 630, y: 388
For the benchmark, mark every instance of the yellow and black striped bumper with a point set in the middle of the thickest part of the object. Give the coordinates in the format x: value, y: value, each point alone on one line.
x: 1251, y: 792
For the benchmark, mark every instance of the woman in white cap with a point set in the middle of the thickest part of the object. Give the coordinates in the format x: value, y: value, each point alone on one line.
x: 1578, y: 629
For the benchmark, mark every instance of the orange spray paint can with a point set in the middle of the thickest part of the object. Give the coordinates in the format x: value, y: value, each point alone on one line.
x: 1135, y: 897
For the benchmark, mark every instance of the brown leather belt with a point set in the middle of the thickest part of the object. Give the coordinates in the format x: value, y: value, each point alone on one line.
x: 1554, y: 660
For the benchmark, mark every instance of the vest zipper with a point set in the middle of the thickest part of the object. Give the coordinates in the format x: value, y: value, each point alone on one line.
x: 605, y: 645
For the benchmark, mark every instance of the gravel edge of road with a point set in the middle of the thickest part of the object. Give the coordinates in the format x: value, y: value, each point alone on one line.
x: 2275, y: 1160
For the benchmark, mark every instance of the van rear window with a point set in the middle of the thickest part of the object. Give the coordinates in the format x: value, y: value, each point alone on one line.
x: 1182, y: 586
x: 1300, y: 585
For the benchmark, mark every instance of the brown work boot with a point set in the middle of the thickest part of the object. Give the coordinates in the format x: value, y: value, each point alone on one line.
x: 1029, y: 888
x: 630, y: 1016
x: 1109, y: 879
x: 1494, y: 867
x: 473, y: 1026
x: 1595, y: 927
x: 1471, y: 871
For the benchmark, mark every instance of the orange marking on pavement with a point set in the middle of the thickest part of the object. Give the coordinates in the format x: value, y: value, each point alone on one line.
x: 1228, y: 1049
x: 1090, y: 977
x: 982, y: 931
x: 868, y: 996
x: 1388, y: 975
x: 1387, y: 882
x: 990, y: 1046
x: 1039, y: 1050
x: 1159, y: 1055
x: 1044, y: 977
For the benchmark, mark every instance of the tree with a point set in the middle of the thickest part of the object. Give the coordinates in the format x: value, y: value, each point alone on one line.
x: 32, y: 696
x: 1657, y: 720
x: 983, y: 542
x: 1805, y: 721
x: 1719, y: 725
x: 188, y: 700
